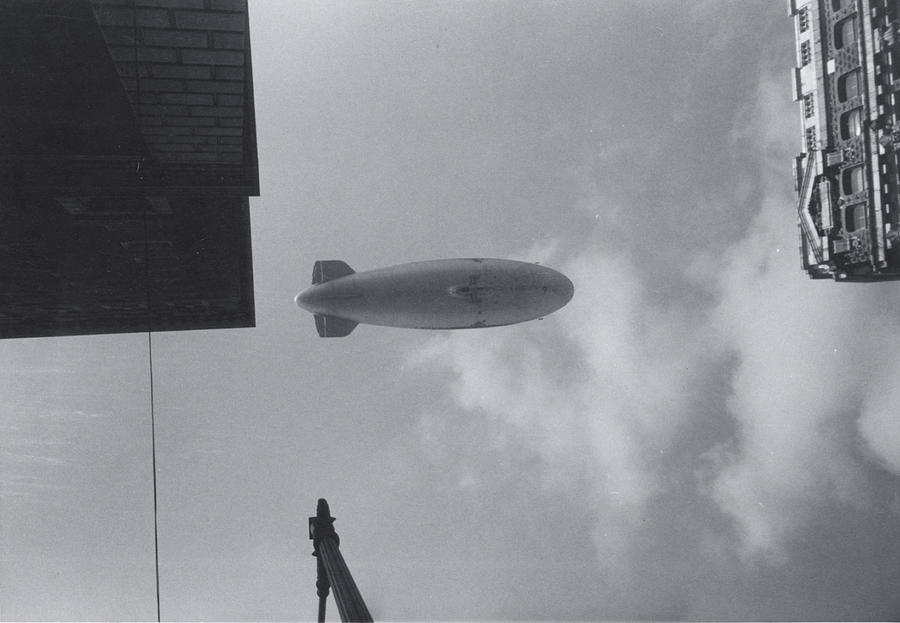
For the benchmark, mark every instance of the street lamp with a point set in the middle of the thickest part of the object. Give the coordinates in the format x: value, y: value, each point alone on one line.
x: 332, y: 571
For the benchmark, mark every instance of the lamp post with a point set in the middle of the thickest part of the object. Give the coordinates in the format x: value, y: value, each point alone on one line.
x: 332, y: 571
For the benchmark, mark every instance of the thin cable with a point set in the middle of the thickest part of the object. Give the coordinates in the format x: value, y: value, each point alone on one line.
x: 140, y: 174
x: 152, y: 408
x: 153, y: 448
x: 153, y: 451
x: 152, y: 404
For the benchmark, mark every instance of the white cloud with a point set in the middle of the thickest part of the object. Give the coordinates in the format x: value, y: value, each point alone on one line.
x: 807, y: 357
x: 808, y: 354
x: 879, y: 423
x: 595, y: 392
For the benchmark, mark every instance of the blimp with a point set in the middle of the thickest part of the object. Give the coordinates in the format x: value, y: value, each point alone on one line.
x: 469, y: 293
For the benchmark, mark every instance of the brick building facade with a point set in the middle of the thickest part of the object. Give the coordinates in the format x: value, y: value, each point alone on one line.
x: 127, y: 156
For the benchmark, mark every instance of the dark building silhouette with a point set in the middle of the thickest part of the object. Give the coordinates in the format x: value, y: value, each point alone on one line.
x: 847, y: 82
x: 127, y: 155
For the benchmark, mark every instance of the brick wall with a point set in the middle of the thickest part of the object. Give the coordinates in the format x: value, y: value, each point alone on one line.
x: 183, y: 64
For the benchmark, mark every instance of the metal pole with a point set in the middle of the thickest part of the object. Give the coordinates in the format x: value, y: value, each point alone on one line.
x: 321, y: 587
x: 326, y: 544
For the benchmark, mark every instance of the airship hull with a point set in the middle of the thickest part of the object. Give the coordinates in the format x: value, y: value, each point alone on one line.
x: 437, y: 294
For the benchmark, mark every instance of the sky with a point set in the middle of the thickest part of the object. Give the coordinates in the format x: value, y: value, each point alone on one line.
x: 702, y: 433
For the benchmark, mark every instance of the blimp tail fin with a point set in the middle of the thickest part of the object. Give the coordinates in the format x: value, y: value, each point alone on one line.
x: 332, y: 326
x: 326, y: 270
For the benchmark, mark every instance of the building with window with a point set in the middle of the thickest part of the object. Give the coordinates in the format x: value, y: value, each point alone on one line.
x: 127, y: 156
x: 847, y: 82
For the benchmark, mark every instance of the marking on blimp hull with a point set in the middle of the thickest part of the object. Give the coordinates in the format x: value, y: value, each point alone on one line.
x: 472, y: 291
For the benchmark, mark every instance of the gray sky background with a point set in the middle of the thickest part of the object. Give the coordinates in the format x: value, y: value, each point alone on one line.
x: 702, y: 433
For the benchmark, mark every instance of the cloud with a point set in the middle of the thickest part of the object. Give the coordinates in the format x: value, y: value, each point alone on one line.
x: 808, y: 354
x: 597, y: 397
x: 879, y: 424
x: 725, y: 425
x: 591, y: 396
x: 813, y: 358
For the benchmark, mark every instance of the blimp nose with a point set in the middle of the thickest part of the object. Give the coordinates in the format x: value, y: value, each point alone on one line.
x: 563, y: 287
x: 567, y: 289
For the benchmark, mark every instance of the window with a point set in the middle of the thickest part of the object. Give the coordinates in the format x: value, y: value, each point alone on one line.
x: 810, y: 139
x: 851, y: 123
x: 852, y: 180
x: 805, y: 54
x: 845, y: 32
x: 848, y: 85
x: 803, y: 19
x: 809, y: 105
x: 855, y: 217
x: 837, y: 5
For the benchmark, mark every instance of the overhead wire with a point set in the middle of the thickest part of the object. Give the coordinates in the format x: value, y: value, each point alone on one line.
x: 153, y: 451
x: 139, y: 170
